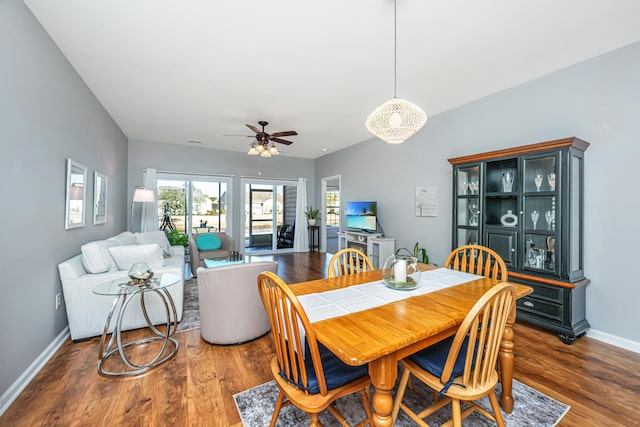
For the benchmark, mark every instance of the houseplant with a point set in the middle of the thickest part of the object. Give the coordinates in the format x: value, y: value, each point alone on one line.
x: 177, y: 238
x: 420, y: 253
x: 312, y: 215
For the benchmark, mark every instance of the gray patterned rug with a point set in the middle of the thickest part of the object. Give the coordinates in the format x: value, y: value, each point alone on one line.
x: 190, y: 310
x: 531, y: 408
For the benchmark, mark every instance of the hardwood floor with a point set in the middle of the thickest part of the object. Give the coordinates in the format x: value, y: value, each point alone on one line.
x: 600, y: 382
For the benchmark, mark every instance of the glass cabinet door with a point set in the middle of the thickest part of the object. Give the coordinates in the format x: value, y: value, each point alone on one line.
x: 540, y: 213
x: 467, y: 205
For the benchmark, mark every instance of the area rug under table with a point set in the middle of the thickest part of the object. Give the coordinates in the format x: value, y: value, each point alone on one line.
x: 190, y: 310
x: 531, y: 408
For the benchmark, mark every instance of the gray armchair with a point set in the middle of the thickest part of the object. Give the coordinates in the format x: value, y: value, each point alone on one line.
x: 231, y: 310
x: 198, y: 256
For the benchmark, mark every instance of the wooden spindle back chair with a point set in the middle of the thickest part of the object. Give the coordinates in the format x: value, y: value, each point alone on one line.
x: 299, y: 365
x: 349, y: 261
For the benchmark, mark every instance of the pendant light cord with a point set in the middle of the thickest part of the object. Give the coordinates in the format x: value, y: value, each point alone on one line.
x: 395, y: 49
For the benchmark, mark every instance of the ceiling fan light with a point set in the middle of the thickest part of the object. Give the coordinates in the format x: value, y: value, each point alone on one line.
x: 273, y: 150
x: 253, y: 149
x: 265, y: 153
x: 260, y: 149
x: 396, y: 120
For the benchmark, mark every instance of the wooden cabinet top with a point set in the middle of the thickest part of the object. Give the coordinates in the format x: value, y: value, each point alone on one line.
x: 523, y: 149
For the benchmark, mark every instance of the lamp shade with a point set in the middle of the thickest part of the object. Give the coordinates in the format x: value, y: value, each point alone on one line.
x: 141, y: 194
x: 396, y: 120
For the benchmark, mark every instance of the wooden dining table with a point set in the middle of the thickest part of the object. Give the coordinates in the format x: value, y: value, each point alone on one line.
x: 383, y: 335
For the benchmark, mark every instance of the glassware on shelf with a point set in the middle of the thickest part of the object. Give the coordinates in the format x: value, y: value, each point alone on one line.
x: 507, y: 181
x: 473, y: 208
x: 534, y: 217
x: 509, y: 219
x: 540, y: 255
x: 465, y: 187
x: 548, y: 216
x: 538, y: 181
x: 474, y: 187
x: 551, y: 177
x: 537, y: 257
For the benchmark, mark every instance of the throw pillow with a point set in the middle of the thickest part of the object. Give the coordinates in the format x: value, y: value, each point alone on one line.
x: 149, y: 237
x: 126, y: 256
x: 124, y: 238
x: 96, y: 258
x: 210, y: 263
x: 208, y: 242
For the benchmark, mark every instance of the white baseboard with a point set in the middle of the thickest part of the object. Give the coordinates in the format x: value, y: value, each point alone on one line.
x: 16, y: 388
x: 614, y: 340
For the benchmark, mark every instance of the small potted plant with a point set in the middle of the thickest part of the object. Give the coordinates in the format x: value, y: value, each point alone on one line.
x: 177, y: 238
x: 312, y: 215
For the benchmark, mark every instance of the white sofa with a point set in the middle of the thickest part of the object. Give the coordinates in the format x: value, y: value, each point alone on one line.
x: 105, y: 260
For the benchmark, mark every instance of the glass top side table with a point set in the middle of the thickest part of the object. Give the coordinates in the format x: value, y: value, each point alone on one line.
x: 124, y: 294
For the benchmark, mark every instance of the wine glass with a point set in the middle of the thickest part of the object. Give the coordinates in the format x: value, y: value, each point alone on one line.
x: 534, y: 217
x: 538, y: 181
x: 551, y: 177
x: 473, y: 186
x: 465, y: 186
x: 548, y: 216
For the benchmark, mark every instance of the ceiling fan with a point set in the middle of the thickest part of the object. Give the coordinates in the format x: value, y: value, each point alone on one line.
x: 264, y: 144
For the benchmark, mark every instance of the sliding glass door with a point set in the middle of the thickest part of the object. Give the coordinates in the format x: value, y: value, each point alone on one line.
x: 194, y: 204
x: 269, y: 216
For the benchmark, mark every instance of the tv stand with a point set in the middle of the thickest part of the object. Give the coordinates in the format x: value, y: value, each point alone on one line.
x: 376, y: 247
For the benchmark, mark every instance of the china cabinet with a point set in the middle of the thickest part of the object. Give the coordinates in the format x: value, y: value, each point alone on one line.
x: 526, y: 203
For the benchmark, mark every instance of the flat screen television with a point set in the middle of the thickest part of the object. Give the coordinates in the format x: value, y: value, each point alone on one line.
x: 362, y: 216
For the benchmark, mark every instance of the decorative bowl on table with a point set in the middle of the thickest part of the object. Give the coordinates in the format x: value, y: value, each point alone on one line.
x: 140, y: 273
x: 401, y: 271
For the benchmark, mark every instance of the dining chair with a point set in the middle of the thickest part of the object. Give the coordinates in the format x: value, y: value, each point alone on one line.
x: 349, y: 261
x: 463, y: 368
x: 308, y: 375
x: 479, y: 260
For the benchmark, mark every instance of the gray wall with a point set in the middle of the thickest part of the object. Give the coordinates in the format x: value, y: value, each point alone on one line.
x: 47, y: 114
x: 598, y: 101
x: 185, y: 159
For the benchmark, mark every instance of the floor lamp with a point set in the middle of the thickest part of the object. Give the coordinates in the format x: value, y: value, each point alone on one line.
x: 141, y: 195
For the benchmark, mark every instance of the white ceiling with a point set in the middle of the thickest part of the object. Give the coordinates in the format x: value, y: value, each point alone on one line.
x: 174, y: 71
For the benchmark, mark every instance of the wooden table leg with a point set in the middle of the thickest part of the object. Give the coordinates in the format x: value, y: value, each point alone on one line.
x: 383, y: 373
x: 506, y: 363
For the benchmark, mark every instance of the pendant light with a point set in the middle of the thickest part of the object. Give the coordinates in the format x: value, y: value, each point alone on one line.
x: 396, y: 120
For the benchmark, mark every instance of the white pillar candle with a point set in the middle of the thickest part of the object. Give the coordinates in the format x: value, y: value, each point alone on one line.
x: 400, y: 270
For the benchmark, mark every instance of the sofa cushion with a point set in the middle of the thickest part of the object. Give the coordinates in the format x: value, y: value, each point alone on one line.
x: 218, y: 254
x: 126, y: 256
x: 208, y: 242
x: 149, y: 237
x: 124, y: 238
x: 96, y: 257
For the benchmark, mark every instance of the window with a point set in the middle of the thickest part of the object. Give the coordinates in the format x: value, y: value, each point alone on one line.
x: 193, y: 204
x: 332, y: 214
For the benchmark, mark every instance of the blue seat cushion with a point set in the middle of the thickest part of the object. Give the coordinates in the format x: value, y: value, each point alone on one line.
x: 208, y: 242
x: 432, y: 359
x: 336, y: 372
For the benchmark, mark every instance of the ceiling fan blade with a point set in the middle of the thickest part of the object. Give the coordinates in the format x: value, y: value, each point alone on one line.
x: 281, y: 141
x: 253, y: 128
x: 286, y: 133
x: 246, y: 136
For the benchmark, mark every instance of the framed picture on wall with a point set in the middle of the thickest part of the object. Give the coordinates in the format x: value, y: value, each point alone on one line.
x: 76, y: 200
x: 99, y: 198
